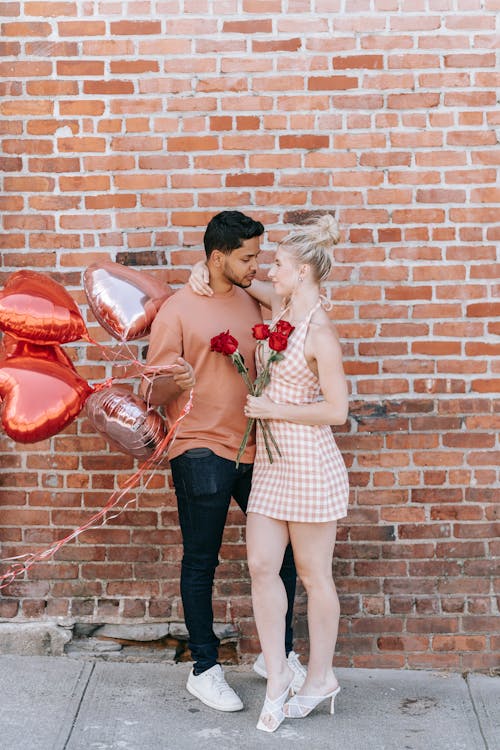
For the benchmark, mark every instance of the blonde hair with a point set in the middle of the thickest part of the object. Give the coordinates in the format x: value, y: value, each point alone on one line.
x: 312, y: 243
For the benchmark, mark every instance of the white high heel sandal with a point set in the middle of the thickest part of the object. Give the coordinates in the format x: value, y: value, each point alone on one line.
x: 272, y: 714
x: 302, y: 705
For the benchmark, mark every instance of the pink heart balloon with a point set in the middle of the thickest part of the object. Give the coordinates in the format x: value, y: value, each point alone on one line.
x: 124, y: 300
x: 39, y: 397
x: 126, y: 421
x: 36, y: 308
x: 12, y: 347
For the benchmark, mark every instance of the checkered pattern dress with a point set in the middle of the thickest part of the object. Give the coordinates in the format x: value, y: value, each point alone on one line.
x: 309, y: 482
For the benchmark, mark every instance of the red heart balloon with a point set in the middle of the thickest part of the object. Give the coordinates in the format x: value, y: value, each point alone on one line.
x: 123, y: 300
x: 36, y: 308
x: 126, y: 421
x: 39, y: 397
x: 12, y: 347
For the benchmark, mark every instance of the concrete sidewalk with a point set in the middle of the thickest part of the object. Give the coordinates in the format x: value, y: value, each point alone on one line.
x: 61, y: 703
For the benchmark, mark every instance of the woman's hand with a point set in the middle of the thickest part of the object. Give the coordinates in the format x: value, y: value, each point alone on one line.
x: 199, y: 278
x: 260, y: 407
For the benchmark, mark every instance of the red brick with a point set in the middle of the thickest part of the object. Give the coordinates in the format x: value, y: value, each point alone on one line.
x: 84, y: 183
x: 278, y: 45
x: 79, y: 28
x: 75, y: 145
x: 254, y: 26
x: 403, y: 643
x: 476, y: 661
x: 81, y: 107
x: 79, y: 68
x: 332, y: 83
x: 9, y: 608
x: 254, y: 179
x: 25, y: 69
x: 470, y: 61
x: 110, y: 201
x: 9, y: 8
x: 137, y: 143
x: 458, y: 643
x: 133, y: 28
x: 33, y: 29
x: 103, y: 88
x: 192, y: 143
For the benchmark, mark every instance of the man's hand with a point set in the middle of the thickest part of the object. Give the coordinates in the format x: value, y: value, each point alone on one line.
x: 166, y: 382
x: 183, y: 374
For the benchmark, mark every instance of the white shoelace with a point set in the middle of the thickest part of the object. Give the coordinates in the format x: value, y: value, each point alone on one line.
x: 221, y: 684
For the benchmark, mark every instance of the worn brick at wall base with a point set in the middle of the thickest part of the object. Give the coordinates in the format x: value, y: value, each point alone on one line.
x: 123, y: 129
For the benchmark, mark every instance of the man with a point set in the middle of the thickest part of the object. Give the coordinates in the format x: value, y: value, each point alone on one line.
x: 202, y: 457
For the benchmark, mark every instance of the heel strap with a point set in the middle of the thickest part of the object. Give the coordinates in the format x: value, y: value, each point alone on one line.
x: 301, y: 705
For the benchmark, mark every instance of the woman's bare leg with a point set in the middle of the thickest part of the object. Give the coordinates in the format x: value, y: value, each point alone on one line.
x: 267, y: 539
x: 313, y: 545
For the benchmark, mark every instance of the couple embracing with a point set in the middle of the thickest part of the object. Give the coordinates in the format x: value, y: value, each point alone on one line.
x: 292, y: 503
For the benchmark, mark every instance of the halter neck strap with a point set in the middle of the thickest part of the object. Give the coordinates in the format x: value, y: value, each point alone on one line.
x: 312, y: 311
x: 306, y: 320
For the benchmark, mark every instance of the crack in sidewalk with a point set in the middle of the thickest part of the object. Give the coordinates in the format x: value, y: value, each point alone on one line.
x: 86, y: 674
x: 476, y: 713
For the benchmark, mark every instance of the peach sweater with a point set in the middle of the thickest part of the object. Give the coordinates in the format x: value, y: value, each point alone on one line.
x: 183, y: 327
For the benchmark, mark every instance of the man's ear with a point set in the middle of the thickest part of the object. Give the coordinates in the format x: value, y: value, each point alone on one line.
x: 217, y: 258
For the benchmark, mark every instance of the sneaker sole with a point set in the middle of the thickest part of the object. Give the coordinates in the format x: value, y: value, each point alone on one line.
x: 209, y: 703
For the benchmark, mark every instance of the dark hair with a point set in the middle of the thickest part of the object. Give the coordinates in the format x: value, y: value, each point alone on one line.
x: 228, y: 230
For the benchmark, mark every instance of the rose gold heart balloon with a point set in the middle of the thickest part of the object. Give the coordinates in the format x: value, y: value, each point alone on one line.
x: 12, y: 347
x: 123, y: 300
x: 39, y: 397
x: 36, y: 308
x: 125, y: 420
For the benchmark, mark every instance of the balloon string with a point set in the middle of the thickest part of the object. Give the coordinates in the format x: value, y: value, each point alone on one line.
x: 29, y: 559
x: 101, y: 386
x: 139, y: 368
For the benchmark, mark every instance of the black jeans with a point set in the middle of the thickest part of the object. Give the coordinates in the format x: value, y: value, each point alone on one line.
x: 204, y: 484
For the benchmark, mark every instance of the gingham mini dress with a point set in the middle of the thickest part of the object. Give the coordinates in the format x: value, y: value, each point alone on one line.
x: 309, y: 482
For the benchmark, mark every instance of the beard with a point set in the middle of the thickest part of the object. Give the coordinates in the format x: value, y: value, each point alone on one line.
x: 243, y: 282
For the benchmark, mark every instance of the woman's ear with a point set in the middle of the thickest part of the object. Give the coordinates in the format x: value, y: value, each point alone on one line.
x: 304, y: 272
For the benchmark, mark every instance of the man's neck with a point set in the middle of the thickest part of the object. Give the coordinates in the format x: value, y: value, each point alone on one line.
x: 219, y: 284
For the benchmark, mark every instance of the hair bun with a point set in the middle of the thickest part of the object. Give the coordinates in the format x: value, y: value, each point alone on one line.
x: 312, y: 242
x: 327, y: 230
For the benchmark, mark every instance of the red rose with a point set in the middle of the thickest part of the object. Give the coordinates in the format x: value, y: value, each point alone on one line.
x: 224, y: 343
x: 277, y: 341
x: 284, y: 327
x: 260, y: 331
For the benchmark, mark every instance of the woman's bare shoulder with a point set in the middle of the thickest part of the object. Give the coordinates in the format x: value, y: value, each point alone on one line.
x: 321, y: 324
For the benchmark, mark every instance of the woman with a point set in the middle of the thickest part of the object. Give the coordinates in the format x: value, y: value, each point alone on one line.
x: 301, y: 495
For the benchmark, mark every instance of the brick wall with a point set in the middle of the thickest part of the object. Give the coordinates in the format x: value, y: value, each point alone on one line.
x: 124, y: 127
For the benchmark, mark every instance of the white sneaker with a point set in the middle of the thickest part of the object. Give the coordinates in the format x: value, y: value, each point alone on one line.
x: 211, y: 688
x: 299, y: 670
x: 259, y: 666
